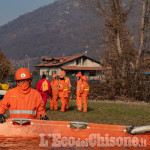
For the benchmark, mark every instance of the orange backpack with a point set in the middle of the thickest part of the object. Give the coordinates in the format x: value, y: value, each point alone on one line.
x: 44, y: 86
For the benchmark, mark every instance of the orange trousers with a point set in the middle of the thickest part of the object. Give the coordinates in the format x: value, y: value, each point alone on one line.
x: 54, y: 102
x: 84, y: 101
x: 63, y: 103
x: 67, y: 103
x: 79, y: 102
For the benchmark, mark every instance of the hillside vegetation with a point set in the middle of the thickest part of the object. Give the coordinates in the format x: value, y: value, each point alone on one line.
x: 60, y: 28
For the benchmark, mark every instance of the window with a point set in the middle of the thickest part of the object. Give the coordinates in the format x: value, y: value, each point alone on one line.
x: 82, y: 71
x: 83, y: 62
x: 54, y: 62
x: 47, y: 73
x: 78, y: 61
x: 92, y: 73
x: 54, y: 72
x: 45, y: 61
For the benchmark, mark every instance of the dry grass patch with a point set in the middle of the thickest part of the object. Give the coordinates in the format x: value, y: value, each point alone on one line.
x: 105, y: 113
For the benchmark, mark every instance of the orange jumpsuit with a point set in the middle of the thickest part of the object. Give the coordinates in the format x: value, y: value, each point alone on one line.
x: 84, y: 94
x: 67, y: 80
x: 63, y: 94
x: 54, y: 96
x: 23, y: 104
x: 78, y: 95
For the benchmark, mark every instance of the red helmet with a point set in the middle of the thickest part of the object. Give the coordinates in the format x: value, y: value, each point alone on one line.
x: 54, y: 76
x: 63, y: 73
x: 61, y: 76
x: 22, y: 73
x: 79, y: 75
x: 84, y: 78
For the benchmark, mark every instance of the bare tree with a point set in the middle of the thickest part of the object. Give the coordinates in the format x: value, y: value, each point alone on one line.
x: 120, y: 50
x: 6, y: 68
x: 118, y: 43
x: 143, y: 32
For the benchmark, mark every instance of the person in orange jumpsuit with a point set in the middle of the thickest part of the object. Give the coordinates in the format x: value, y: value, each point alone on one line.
x: 23, y: 101
x: 78, y: 95
x: 44, y: 94
x: 63, y: 92
x: 55, y: 92
x: 67, y: 80
x: 84, y: 92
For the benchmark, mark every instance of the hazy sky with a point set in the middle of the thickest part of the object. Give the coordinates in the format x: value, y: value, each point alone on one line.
x: 12, y: 9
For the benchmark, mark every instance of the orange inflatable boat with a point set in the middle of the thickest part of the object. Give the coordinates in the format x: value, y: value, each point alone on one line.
x: 72, y: 135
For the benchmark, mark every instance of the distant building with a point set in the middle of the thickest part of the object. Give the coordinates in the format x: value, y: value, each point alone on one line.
x: 72, y: 65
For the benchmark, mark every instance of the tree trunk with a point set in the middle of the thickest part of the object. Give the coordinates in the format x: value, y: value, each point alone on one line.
x: 145, y: 15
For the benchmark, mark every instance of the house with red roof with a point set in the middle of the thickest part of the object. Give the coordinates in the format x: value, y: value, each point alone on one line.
x: 72, y: 65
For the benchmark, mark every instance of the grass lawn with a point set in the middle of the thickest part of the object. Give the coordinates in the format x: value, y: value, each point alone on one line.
x: 105, y: 113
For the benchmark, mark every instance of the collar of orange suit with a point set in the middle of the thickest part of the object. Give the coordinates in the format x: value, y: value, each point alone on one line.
x: 24, y: 88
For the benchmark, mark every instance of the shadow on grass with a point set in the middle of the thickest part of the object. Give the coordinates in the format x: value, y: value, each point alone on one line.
x: 72, y: 107
x: 75, y: 108
x: 47, y: 108
x: 89, y: 109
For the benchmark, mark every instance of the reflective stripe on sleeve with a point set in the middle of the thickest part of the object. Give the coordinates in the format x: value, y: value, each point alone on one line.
x: 86, y: 89
x: 54, y: 87
x: 22, y: 112
x: 65, y: 89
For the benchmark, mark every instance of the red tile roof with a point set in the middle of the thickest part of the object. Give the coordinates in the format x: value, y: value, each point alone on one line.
x: 65, y: 60
x: 82, y: 68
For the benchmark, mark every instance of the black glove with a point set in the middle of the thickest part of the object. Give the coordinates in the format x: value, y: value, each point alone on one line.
x: 2, y: 118
x: 43, y: 117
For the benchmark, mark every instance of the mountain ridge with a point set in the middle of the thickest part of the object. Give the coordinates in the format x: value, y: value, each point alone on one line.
x: 57, y: 29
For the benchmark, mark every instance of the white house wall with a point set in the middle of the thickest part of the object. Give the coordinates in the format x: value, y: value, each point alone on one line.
x: 43, y: 70
x: 90, y: 63
x: 50, y: 70
x: 87, y: 63
x: 71, y: 63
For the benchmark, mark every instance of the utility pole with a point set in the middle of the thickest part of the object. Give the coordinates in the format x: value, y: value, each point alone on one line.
x: 28, y: 60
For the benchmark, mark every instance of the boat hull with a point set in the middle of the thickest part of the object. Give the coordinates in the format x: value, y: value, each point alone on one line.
x: 61, y: 134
